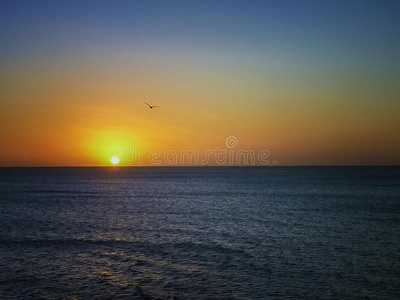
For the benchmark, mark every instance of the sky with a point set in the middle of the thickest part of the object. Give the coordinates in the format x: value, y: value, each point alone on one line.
x: 311, y: 82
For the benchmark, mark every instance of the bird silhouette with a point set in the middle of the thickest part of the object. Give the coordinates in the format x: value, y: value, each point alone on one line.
x: 150, y: 105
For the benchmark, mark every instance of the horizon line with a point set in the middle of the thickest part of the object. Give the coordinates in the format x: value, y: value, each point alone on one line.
x: 203, y: 166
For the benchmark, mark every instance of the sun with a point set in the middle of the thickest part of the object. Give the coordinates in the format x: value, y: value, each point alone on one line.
x: 114, y: 160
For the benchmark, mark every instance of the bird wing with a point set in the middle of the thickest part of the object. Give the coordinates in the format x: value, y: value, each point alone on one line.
x: 147, y: 104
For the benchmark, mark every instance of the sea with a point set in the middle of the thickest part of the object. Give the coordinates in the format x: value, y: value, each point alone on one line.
x: 200, y: 233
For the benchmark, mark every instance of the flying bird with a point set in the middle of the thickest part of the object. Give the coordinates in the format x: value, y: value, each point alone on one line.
x: 150, y: 105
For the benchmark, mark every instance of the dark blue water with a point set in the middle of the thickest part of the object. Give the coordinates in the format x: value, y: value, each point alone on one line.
x: 200, y: 233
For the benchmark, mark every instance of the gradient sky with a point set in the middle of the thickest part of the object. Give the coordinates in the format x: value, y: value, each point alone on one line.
x: 313, y: 82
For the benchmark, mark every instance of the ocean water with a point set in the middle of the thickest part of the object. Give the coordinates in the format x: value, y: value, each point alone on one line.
x: 200, y: 233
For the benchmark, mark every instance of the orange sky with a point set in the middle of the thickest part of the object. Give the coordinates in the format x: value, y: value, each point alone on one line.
x: 58, y: 117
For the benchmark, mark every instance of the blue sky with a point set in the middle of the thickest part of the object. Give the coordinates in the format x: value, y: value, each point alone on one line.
x: 314, y: 27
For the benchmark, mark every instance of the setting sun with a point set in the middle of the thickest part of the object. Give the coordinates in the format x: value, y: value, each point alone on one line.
x: 114, y: 160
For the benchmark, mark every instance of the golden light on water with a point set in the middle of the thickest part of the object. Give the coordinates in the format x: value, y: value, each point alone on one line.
x: 114, y: 160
